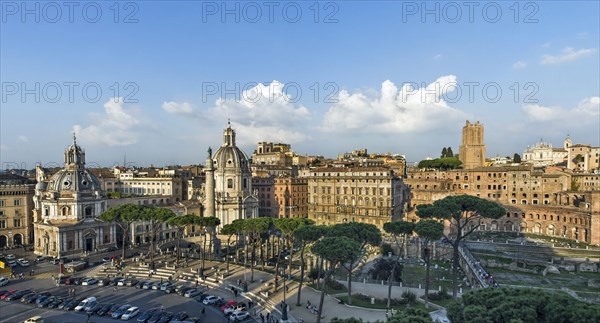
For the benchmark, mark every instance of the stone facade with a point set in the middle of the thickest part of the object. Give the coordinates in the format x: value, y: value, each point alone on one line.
x: 472, y: 150
x: 67, y: 210
x: 16, y: 210
x: 291, y: 197
x: 361, y: 194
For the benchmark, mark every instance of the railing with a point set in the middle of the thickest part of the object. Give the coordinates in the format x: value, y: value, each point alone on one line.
x: 484, y: 279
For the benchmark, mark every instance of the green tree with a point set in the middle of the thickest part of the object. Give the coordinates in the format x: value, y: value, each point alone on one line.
x: 428, y: 231
x: 123, y: 215
x: 156, y: 216
x: 253, y: 228
x: 396, y: 229
x: 305, y: 235
x: 464, y: 213
x: 450, y: 153
x: 209, y: 225
x: 287, y: 227
x: 230, y: 230
x: 336, y: 250
x: 363, y: 233
x: 410, y: 315
x: 444, y: 153
x: 348, y: 320
x: 516, y: 158
x: 520, y: 305
x: 181, y: 222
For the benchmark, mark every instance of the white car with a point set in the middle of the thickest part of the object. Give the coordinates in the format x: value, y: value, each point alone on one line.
x: 84, y: 303
x: 121, y: 282
x: 89, y: 281
x: 233, y: 309
x: 11, y: 257
x: 239, y: 316
x: 23, y: 262
x: 3, y: 280
x: 130, y: 313
x: 211, y: 299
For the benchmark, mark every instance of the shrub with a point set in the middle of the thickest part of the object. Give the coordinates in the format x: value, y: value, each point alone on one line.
x: 385, y: 249
x: 410, y: 297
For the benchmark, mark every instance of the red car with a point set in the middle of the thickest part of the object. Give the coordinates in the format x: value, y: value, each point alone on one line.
x: 8, y: 293
x: 228, y: 305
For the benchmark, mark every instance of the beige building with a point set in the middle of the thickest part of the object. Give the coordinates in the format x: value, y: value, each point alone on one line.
x: 291, y: 197
x: 134, y: 183
x: 267, y: 205
x: 543, y: 154
x: 472, y: 150
x: 361, y: 194
x: 67, y: 209
x: 16, y: 210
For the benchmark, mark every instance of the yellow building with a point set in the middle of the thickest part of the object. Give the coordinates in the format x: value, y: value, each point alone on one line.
x: 16, y: 210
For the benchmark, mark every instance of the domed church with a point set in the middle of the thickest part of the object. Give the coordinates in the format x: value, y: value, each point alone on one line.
x: 67, y: 207
x: 228, y: 190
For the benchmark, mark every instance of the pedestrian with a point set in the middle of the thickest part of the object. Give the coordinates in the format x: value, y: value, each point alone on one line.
x: 196, y: 283
x: 262, y: 318
x: 268, y: 317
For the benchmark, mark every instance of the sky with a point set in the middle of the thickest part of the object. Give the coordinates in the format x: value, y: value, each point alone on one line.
x: 155, y: 82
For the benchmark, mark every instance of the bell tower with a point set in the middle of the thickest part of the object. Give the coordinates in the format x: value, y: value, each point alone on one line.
x: 472, y: 150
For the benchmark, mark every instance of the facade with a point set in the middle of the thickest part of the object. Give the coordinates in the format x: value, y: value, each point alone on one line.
x: 543, y: 154
x: 472, y: 150
x: 372, y: 195
x: 583, y: 158
x: 16, y: 210
x: 267, y: 205
x: 291, y: 197
x: 67, y: 207
x: 229, y: 180
x: 537, y: 201
x: 132, y: 182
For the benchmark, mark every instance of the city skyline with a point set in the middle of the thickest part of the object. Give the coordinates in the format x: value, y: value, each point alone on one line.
x: 396, y: 82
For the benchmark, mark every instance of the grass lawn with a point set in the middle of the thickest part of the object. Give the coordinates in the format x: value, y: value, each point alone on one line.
x: 380, y: 304
x: 443, y: 303
x: 343, y: 289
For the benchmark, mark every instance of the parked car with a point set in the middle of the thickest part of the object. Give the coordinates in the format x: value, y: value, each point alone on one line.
x: 106, y: 260
x: 104, y: 282
x: 65, y: 303
x: 181, y: 291
x: 89, y: 281
x: 140, y: 284
x: 130, y: 313
x: 147, y: 314
x: 17, y: 295
x: 90, y: 305
x: 156, y: 286
x: 210, y: 300
x: 5, y: 293
x: 72, y: 304
x: 132, y: 282
x: 105, y: 308
x: 11, y: 257
x: 95, y: 309
x: 180, y: 316
x: 239, y: 316
x: 156, y: 316
x: 193, y: 293
x: 35, y: 319
x: 120, y: 311
x: 165, y: 285
x: 166, y: 317
x: 234, y: 308
x: 85, y: 303
x: 122, y: 282
x: 12, y: 263
x: 115, y: 281
x: 148, y: 285
x: 56, y: 302
x: 47, y: 301
x: 29, y: 298
x: 3, y: 281
x: 113, y: 309
x: 23, y: 262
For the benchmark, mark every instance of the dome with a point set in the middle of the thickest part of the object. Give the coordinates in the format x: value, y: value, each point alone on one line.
x: 78, y: 180
x: 229, y: 156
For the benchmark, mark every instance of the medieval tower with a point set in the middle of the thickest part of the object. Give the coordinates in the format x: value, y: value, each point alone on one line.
x: 472, y: 149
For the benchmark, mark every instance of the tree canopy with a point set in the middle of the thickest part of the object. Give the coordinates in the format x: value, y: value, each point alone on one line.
x: 520, y: 305
x: 444, y: 163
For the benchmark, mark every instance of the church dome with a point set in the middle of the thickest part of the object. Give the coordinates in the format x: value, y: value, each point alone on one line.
x: 229, y: 156
x: 74, y: 177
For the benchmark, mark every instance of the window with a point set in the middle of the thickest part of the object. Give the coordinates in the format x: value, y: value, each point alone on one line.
x: 17, y: 202
x: 17, y: 223
x: 2, y: 224
x: 2, y: 203
x: 229, y: 183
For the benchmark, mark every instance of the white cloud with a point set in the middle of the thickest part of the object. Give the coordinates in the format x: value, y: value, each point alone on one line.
x: 587, y: 111
x: 438, y: 57
x: 568, y: 55
x: 23, y: 138
x: 394, y: 110
x: 264, y: 112
x: 546, y: 45
x: 519, y: 65
x: 177, y: 108
x: 116, y: 127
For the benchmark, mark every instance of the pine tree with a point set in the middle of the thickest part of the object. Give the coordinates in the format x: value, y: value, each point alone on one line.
x: 450, y: 153
x: 444, y: 152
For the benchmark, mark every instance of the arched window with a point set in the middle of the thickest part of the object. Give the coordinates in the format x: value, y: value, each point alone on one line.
x: 229, y: 183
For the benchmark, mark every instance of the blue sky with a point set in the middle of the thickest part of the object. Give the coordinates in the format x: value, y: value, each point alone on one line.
x: 163, y: 66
